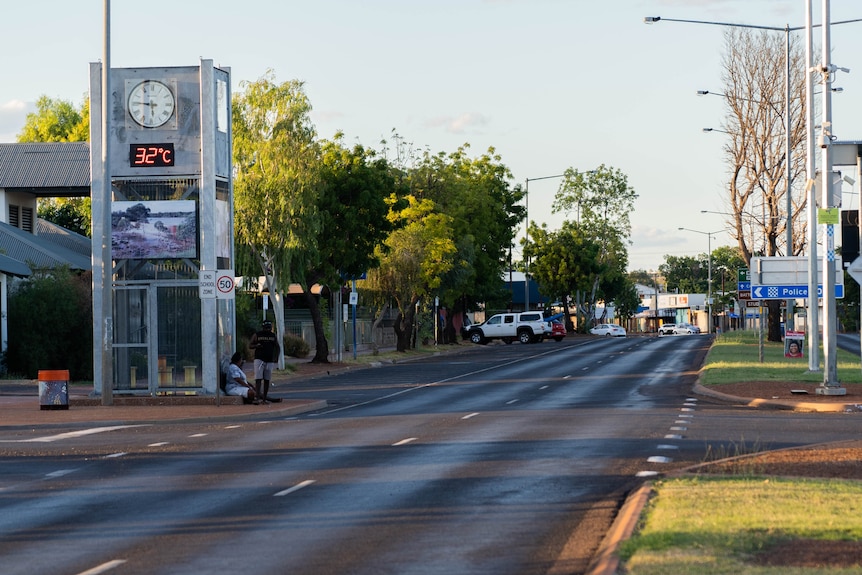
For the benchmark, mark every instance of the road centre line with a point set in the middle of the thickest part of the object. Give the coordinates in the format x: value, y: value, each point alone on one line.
x: 115, y: 455
x: 198, y: 435
x: 158, y: 444
x: 296, y: 487
x: 471, y: 415
x: 405, y: 441
x: 511, y: 401
x: 103, y: 567
x: 59, y: 473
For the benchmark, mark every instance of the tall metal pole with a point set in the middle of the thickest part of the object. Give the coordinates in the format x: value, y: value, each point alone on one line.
x: 790, y: 312
x: 709, y: 278
x: 526, y: 243
x: 811, y: 200
x: 830, y: 385
x: 106, y: 272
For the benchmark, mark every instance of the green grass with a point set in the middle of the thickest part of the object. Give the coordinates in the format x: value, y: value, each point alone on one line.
x: 715, y: 526
x: 735, y: 357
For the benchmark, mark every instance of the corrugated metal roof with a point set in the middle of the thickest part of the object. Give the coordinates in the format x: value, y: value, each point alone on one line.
x: 63, y: 237
x: 44, y: 167
x: 38, y: 252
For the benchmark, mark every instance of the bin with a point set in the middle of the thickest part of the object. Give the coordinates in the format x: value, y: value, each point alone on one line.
x: 54, y: 389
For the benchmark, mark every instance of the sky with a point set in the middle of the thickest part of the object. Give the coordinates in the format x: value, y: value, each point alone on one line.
x: 549, y: 84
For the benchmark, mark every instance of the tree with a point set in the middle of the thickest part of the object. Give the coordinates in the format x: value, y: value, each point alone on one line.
x: 60, y: 121
x: 351, y: 204
x: 413, y: 260
x: 564, y: 262
x: 602, y: 201
x: 275, y: 154
x: 753, y: 76
x: 484, y: 210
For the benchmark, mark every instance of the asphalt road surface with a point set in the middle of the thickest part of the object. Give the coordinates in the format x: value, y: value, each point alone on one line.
x: 501, y: 459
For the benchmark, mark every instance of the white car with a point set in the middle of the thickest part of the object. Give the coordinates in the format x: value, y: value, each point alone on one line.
x: 686, y: 329
x: 608, y: 329
x: 666, y: 329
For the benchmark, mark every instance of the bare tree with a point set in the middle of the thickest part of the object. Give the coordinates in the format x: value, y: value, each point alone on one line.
x: 754, y: 69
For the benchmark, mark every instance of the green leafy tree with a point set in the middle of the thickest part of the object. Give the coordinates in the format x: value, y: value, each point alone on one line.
x: 351, y: 203
x: 484, y: 210
x: 275, y: 200
x: 564, y: 262
x: 413, y: 259
x: 60, y: 121
x: 602, y: 202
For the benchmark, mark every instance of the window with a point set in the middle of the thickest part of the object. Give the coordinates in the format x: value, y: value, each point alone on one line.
x: 14, y: 215
x: 21, y: 218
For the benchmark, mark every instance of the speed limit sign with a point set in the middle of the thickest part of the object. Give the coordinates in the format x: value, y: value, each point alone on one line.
x: 225, y: 284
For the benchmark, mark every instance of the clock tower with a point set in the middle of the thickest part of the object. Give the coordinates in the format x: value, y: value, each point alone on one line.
x: 171, y: 224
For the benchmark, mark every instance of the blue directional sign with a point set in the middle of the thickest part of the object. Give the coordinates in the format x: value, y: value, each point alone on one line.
x: 790, y: 292
x: 743, y: 286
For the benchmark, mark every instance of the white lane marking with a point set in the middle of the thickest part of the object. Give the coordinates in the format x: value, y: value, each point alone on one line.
x: 233, y: 426
x: 672, y: 436
x: 73, y: 434
x: 198, y: 435
x: 678, y: 421
x: 112, y: 455
x: 103, y: 567
x: 544, y: 387
x: 567, y: 377
x: 666, y: 446
x: 686, y: 415
x: 158, y: 444
x: 691, y: 399
x: 659, y: 459
x: 689, y: 405
x: 296, y: 487
x: 679, y: 428
x: 470, y: 415
x: 510, y: 402
x: 646, y: 473
x: 59, y: 473
x: 686, y: 409
x: 405, y: 441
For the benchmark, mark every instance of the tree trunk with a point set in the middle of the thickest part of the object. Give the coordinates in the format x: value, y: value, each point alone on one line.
x: 321, y: 347
x: 404, y: 328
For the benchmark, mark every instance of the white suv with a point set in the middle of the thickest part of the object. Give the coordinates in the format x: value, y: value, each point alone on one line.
x: 526, y: 327
x: 666, y: 329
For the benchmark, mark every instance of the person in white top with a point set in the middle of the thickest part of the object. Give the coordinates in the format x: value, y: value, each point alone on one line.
x: 237, y: 384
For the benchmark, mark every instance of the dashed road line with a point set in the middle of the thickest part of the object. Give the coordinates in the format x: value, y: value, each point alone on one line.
x: 471, y: 415
x: 405, y: 441
x: 104, y: 567
x: 297, y: 487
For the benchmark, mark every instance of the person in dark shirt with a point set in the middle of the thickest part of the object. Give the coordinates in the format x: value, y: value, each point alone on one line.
x: 266, y: 350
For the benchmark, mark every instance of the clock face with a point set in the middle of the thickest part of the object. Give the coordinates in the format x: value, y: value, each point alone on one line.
x: 151, y: 103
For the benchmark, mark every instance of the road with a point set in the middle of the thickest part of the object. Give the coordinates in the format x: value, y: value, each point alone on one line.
x: 501, y: 459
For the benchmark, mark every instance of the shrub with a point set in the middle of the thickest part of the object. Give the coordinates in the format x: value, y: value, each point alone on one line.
x: 294, y: 346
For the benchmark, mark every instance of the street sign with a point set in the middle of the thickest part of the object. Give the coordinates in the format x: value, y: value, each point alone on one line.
x: 225, y: 284
x: 743, y: 275
x: 207, y: 284
x: 743, y: 286
x: 790, y: 291
x: 855, y: 270
x: 744, y: 294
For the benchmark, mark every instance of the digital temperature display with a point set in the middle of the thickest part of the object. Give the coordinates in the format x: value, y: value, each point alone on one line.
x: 151, y: 155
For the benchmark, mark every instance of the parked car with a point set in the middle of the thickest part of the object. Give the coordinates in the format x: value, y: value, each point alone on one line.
x: 556, y: 330
x: 686, y: 329
x: 666, y: 329
x: 608, y: 329
x: 526, y: 327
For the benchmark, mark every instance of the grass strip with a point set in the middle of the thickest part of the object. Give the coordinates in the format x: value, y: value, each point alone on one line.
x: 707, y: 525
x: 735, y: 357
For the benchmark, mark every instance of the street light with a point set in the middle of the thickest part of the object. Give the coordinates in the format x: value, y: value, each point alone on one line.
x: 709, y: 268
x: 786, y: 29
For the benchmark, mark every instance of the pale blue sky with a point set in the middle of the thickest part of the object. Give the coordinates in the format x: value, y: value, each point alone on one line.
x: 550, y: 84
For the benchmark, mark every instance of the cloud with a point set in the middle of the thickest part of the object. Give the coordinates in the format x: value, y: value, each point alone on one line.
x: 470, y: 121
x: 12, y: 116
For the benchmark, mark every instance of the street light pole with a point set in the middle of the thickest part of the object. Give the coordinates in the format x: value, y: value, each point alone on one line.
x: 709, y: 268
x: 527, y: 236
